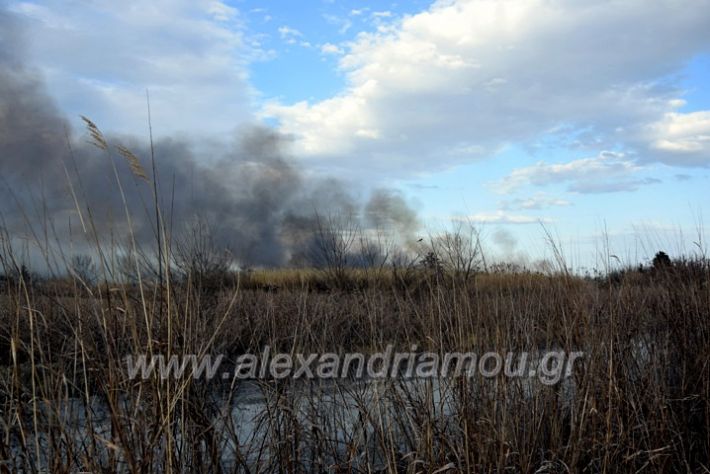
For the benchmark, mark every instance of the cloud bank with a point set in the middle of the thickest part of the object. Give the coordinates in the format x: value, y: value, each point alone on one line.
x: 101, y: 56
x: 465, y: 78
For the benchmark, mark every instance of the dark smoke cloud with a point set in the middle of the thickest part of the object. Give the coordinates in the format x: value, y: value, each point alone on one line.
x: 387, y: 209
x: 257, y: 204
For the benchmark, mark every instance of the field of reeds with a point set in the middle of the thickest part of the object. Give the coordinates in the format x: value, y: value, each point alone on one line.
x: 639, y: 401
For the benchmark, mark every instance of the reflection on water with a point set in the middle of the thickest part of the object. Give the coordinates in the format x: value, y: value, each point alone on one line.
x: 254, y: 426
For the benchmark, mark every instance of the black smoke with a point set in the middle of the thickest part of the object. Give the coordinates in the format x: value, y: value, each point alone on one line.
x: 57, y: 186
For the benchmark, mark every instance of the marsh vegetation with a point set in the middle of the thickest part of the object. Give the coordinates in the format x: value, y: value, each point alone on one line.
x: 640, y: 400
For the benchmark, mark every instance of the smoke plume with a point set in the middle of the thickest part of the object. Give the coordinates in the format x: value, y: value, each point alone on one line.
x: 255, y: 201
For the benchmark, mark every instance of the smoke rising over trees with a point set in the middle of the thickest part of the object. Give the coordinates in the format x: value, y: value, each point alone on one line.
x: 258, y: 204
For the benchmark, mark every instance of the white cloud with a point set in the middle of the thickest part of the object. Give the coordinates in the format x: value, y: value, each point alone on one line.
x: 500, y: 217
x: 221, y: 11
x: 330, y: 48
x: 289, y: 35
x: 343, y: 24
x: 487, y: 73
x: 598, y: 187
x: 607, y: 172
x: 537, y: 201
x: 99, y: 58
x: 288, y: 32
x: 682, y: 138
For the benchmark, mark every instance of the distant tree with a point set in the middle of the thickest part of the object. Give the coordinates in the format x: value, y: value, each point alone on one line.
x: 459, y: 250
x: 21, y: 274
x: 199, y: 256
x: 456, y: 252
x: 335, y: 236
x: 661, y: 261
x: 432, y: 262
x: 84, y: 268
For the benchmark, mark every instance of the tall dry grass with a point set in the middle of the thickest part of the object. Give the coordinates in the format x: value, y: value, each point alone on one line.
x: 639, y: 402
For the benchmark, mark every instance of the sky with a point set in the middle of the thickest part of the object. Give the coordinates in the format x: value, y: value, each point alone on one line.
x: 590, y: 119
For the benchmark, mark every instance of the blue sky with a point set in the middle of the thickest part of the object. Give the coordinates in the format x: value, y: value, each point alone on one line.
x: 592, y: 117
x: 311, y: 75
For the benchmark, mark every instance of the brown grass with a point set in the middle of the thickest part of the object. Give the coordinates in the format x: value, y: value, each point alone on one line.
x: 639, y: 402
x: 628, y: 412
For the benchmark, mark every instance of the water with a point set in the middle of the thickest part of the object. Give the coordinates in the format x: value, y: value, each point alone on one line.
x: 258, y: 426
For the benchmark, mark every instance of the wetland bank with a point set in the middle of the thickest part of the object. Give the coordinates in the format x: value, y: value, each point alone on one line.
x: 69, y: 403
